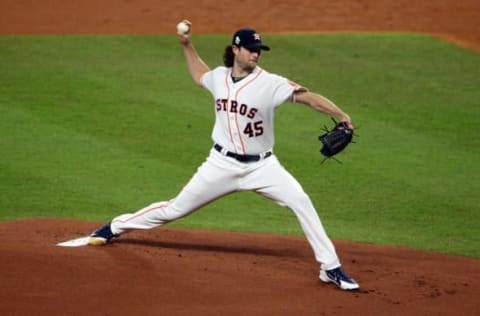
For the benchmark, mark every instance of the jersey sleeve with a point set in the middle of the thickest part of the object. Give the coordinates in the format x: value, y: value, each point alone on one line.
x: 209, y: 79
x: 285, y: 89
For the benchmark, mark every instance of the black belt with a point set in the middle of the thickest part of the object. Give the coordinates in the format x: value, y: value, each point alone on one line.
x: 242, y: 158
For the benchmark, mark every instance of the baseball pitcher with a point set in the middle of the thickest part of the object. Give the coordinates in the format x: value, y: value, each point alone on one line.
x: 245, y: 97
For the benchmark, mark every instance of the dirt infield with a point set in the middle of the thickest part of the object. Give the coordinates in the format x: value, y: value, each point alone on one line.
x: 192, y: 272
x: 452, y: 19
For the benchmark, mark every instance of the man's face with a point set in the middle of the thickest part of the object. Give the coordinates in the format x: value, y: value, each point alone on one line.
x: 247, y: 59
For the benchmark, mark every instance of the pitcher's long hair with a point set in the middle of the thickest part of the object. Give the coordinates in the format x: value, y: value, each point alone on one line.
x: 228, y: 56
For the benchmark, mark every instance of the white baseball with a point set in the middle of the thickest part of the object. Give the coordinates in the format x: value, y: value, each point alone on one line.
x: 183, y: 28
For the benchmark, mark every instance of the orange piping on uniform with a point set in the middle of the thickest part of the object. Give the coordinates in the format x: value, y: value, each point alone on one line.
x: 142, y: 213
x: 226, y: 113
x: 236, y: 114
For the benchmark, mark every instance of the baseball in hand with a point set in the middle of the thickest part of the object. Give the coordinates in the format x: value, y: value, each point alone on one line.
x: 183, y: 28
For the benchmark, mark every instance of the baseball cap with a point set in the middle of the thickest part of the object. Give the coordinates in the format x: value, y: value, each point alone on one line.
x: 248, y: 38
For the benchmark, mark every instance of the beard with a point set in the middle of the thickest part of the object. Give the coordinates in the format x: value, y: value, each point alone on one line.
x: 248, y: 66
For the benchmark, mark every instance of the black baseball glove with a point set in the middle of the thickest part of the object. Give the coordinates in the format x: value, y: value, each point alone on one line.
x: 335, y: 140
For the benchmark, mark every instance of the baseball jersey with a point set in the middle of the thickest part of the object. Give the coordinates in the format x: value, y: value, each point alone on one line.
x: 244, y: 109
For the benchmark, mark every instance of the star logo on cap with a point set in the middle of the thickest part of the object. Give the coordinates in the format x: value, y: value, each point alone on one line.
x: 256, y: 36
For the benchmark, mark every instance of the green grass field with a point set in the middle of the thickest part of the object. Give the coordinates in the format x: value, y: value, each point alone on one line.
x: 95, y: 126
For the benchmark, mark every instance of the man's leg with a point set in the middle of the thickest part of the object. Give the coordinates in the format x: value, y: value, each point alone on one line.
x: 276, y: 183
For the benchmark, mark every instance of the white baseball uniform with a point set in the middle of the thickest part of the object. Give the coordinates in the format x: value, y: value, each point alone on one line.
x: 243, y: 126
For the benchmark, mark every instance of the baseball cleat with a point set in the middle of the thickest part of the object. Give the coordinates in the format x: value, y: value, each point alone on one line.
x: 340, y: 278
x: 101, y: 236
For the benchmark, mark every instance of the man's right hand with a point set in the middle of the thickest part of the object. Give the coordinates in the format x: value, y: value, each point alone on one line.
x: 184, y: 38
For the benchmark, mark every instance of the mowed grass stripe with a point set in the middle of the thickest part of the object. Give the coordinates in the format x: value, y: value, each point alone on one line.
x: 93, y: 126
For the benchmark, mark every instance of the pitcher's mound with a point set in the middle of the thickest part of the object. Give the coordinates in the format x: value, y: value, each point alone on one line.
x: 170, y: 271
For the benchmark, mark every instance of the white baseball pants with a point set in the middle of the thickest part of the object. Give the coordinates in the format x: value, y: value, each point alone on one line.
x: 220, y: 175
